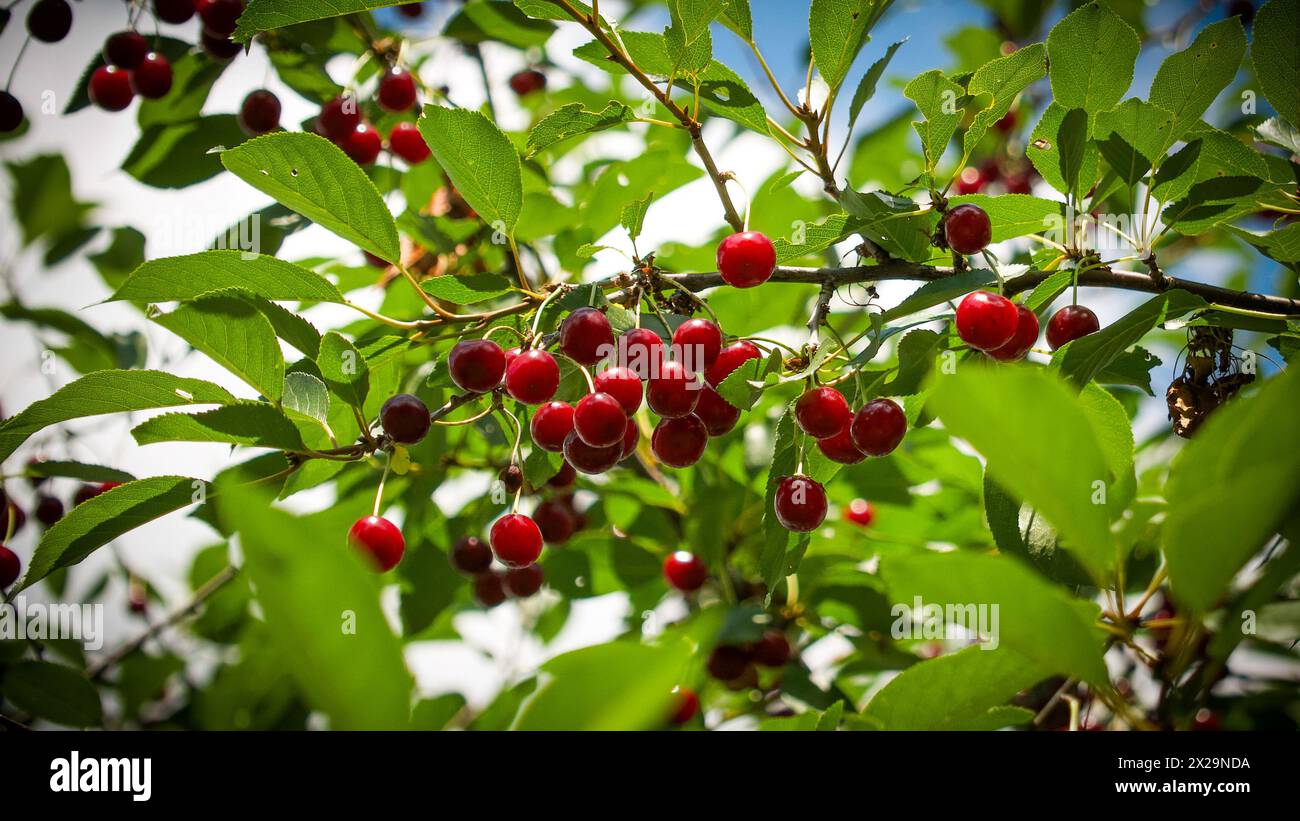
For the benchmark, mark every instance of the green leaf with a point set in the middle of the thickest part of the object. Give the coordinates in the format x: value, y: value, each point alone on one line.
x: 53, y: 692
x: 176, y: 155
x: 235, y: 335
x: 98, y: 521
x: 837, y: 31
x: 307, y: 395
x: 1231, y: 488
x: 481, y: 20
x: 936, y: 96
x: 690, y: 52
x: 814, y: 238
x: 1132, y: 367
x: 952, y: 692
x: 541, y: 465
x: 468, y: 289
x: 1189, y: 81
x: 549, y: 9
x: 252, y: 424
x: 100, y: 352
x: 944, y: 289
x: 1133, y: 137
x: 344, y: 369
x: 108, y: 392
x: 1016, y: 215
x: 193, y: 76
x: 633, y: 217
x: 867, y: 85
x: 265, y: 15
x: 1081, y: 360
x: 1035, y: 617
x: 1282, y: 244
x: 1279, y: 132
x: 1019, y: 530
x: 694, y: 16
x: 43, y: 202
x: 572, y: 120
x: 917, y: 351
x: 1002, y: 79
x: 77, y: 470
x: 1073, y: 143
x: 737, y: 17
x: 1274, y: 50
x: 1040, y: 444
x: 1056, y: 131
x: 116, y: 262
x: 481, y: 162
x: 177, y: 279
x: 1091, y: 54
x: 310, y: 175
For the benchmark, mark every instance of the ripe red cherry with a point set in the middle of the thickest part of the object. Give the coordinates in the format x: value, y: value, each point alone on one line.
x: 551, y: 425
x: 800, y: 503
x: 48, y: 510
x: 584, y: 335
x: 87, y: 492
x: 986, y: 320
x: 588, y: 459
x: 1022, y: 340
x: 728, y: 662
x: 1018, y: 183
x: 1008, y: 122
x: 11, y: 112
x: 878, y: 427
x: 220, y: 16
x: 555, y: 521
x: 379, y: 541
x: 631, y: 437
x: 718, y: 415
x: 523, y: 582
x: 686, y: 705
x: 1070, y: 323
x: 680, y: 442
x: 641, y: 351
x: 698, y: 343
x: 338, y: 118
x: 860, y: 512
x: 152, y: 79
x: 110, y: 88
x: 685, y: 571
x: 218, y: 47
x: 967, y: 229
x: 822, y: 412
x: 50, y: 20
x: 599, y: 420
x: 490, y: 588
x: 730, y: 358
x: 125, y: 49
x: 533, y: 377
x: 840, y: 448
x: 260, y: 113
x: 970, y: 181
x: 527, y: 81
x: 623, y: 385
x: 673, y: 392
x: 470, y: 555
x: 746, y: 259
x: 772, y: 650
x: 405, y: 418
x: 477, y: 365
x: 407, y: 142
x: 10, y: 567
x: 173, y: 11
x: 397, y: 90
x: 565, y: 476
x: 516, y: 540
x: 363, y: 144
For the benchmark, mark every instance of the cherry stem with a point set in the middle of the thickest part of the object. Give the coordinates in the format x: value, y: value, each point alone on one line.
x: 379, y: 494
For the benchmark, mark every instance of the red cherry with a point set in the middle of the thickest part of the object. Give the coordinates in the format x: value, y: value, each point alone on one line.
x: 686, y: 705
x: 362, y: 145
x: 125, y: 49
x: 1008, y: 122
x: 11, y: 112
x: 800, y: 503
x: 10, y: 567
x: 584, y: 335
x: 516, y: 540
x: 527, y: 81
x: 623, y: 385
x: 110, y: 88
x: 87, y: 492
x: 588, y: 459
x: 379, y: 540
x: 511, y: 353
x: 730, y: 358
x: 218, y: 47
x: 523, y: 582
x: 728, y: 662
x: 967, y: 229
x: 878, y: 427
x: 840, y: 448
x: 260, y: 113
x: 746, y: 259
x: 470, y: 555
x: 173, y: 11
x: 477, y: 365
x: 1206, y: 720
x: 48, y: 510
x: 550, y: 425
x: 599, y: 420
x: 718, y: 415
x: 860, y: 512
x: 631, y: 437
x: 490, y: 588
x: 533, y: 377
x: 822, y: 412
x: 986, y: 320
x: 685, y: 571
x: 641, y: 351
x: 1070, y: 323
x: 152, y: 79
x: 49, y: 20
x: 680, y: 442
x: 511, y: 478
x: 673, y: 392
x: 565, y: 476
x: 407, y: 142
x: 405, y: 418
x: 555, y: 521
x: 698, y: 343
x: 220, y: 16
x: 339, y: 117
x: 1022, y: 340
x: 397, y: 90
x: 772, y: 650
x: 1018, y: 183
x: 411, y: 10
x: 970, y: 181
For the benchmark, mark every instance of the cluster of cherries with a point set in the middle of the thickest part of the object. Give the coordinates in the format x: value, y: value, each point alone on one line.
x: 736, y: 666
x: 48, y: 510
x: 341, y: 122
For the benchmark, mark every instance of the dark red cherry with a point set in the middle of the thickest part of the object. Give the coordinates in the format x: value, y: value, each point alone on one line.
x: 260, y: 113
x: 50, y: 20
x: 599, y: 420
x: 125, y: 49
x: 685, y: 571
x: 523, y: 582
x: 728, y: 662
x: 533, y: 377
x: 822, y: 412
x: 152, y: 79
x: 586, y: 337
x: 685, y: 706
x: 641, y: 351
x: 379, y: 541
x: 1022, y: 340
x: 840, y: 448
x: 631, y: 437
x: 516, y: 540
x: 967, y: 229
x: 623, y: 385
x: 679, y: 442
x: 110, y: 88
x: 555, y: 521
x: 673, y: 392
x: 362, y: 145
x: 698, y: 343
x: 220, y: 16
x: 405, y: 418
x: 718, y: 415
x: 477, y: 365
x: 397, y: 90
x: 173, y: 11
x: 800, y: 504
x: 87, y: 492
x: 218, y: 47
x: 986, y: 320
x: 490, y: 588
x: 413, y: 11
x: 878, y: 427
x: 406, y: 141
x: 1070, y: 323
x: 527, y: 81
x: 48, y: 510
x: 565, y: 477
x: 860, y: 512
x: 590, y: 460
x: 746, y: 259
x: 10, y: 567
x: 772, y: 650
x: 339, y: 118
x: 470, y: 555
x: 731, y: 357
x: 11, y: 112
x: 550, y: 426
